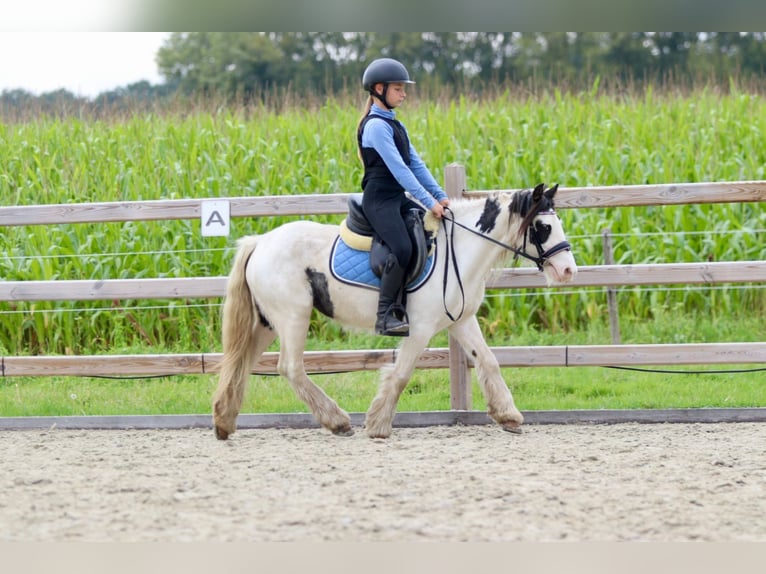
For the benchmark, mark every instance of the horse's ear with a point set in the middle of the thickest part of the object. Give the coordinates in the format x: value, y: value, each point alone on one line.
x: 537, y: 193
x: 552, y: 191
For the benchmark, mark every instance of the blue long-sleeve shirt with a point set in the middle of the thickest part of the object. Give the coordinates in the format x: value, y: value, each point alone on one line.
x: 415, y: 178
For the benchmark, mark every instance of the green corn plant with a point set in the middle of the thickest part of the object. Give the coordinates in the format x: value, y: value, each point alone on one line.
x: 507, y: 139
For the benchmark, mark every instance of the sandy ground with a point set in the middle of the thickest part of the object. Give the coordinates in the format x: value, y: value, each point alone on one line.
x: 628, y: 482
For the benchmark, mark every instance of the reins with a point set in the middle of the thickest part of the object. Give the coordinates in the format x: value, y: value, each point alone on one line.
x: 450, y: 242
x: 539, y: 261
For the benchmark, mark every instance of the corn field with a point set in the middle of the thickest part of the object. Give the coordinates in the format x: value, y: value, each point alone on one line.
x: 509, y: 140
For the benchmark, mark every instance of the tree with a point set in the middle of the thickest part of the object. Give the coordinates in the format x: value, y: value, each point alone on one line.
x: 255, y: 64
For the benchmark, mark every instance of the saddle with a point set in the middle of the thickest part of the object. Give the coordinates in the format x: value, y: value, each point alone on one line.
x: 358, y: 234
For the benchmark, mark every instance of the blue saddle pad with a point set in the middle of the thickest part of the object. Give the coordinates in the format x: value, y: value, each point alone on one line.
x: 352, y: 266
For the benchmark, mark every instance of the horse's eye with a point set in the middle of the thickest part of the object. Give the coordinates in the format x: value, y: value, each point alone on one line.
x: 541, y: 231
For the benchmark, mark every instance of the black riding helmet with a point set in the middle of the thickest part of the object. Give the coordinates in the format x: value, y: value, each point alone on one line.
x: 384, y: 71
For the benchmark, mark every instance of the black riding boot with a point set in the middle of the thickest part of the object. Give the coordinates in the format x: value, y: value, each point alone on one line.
x: 392, y: 317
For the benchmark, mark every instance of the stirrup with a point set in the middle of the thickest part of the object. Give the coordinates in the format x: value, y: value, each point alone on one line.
x: 390, y: 325
x: 396, y: 330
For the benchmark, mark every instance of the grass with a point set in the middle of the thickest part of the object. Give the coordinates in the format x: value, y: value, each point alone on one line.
x: 539, y: 388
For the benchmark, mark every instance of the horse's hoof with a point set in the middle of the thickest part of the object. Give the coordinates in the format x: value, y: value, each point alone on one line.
x: 343, y: 431
x: 221, y: 434
x: 512, y: 429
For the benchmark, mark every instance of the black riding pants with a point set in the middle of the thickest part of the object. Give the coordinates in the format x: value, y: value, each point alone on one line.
x: 385, y: 209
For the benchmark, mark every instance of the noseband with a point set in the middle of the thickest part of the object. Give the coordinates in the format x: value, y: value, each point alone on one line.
x: 537, y: 236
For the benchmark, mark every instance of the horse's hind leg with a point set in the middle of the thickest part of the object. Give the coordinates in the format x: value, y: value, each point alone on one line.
x: 500, y: 405
x: 325, y: 410
x: 227, y: 401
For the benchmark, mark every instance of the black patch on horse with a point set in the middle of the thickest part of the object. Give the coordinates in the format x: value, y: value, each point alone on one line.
x: 489, y: 215
x: 320, y: 292
x: 262, y: 318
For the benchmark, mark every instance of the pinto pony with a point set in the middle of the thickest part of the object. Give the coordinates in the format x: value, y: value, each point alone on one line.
x: 278, y: 278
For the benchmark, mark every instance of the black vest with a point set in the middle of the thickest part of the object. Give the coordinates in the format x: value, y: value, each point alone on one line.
x: 374, y: 166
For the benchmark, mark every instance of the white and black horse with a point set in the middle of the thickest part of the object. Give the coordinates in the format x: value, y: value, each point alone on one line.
x: 278, y: 278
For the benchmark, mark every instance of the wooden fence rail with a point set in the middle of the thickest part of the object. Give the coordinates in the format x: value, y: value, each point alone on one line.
x: 329, y: 362
x: 452, y: 357
x: 521, y: 278
x: 335, y: 203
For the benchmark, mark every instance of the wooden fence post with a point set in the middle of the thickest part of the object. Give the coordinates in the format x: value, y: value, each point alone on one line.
x: 611, y: 292
x: 459, y: 373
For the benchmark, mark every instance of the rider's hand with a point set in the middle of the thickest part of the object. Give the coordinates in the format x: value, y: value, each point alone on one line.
x: 438, y: 210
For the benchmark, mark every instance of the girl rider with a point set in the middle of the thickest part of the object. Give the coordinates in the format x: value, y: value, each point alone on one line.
x: 391, y: 167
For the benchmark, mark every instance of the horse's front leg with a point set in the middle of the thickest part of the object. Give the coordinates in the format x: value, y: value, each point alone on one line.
x: 393, y: 379
x: 500, y: 405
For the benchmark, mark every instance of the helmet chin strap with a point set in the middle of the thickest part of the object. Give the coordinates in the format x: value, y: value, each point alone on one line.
x: 382, y: 97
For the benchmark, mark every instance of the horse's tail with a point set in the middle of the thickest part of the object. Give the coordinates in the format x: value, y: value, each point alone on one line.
x: 239, y: 345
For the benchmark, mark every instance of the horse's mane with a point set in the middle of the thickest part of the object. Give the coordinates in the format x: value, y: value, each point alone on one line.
x: 523, y: 205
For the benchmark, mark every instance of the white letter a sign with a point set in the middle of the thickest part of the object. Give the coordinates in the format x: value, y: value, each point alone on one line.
x: 214, y: 218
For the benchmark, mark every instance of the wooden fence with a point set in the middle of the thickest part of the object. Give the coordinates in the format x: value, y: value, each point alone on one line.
x: 332, y: 361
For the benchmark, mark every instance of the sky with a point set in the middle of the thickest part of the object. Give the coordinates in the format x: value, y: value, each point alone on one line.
x: 47, y: 45
x: 85, y: 63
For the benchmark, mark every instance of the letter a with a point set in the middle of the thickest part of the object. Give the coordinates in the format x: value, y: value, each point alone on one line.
x: 215, y: 217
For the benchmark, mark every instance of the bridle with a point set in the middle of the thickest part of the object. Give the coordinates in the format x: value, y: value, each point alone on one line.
x: 537, y: 237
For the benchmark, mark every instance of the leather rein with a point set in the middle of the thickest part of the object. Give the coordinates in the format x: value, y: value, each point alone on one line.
x: 542, y: 254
